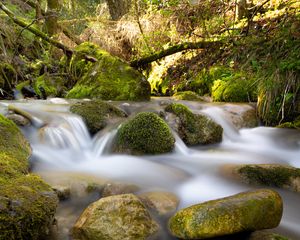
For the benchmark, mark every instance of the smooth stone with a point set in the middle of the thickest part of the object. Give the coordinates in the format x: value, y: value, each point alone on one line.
x: 18, y: 119
x: 111, y: 189
x: 246, y: 211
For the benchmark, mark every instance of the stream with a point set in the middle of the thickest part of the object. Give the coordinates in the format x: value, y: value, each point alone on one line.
x: 65, y: 154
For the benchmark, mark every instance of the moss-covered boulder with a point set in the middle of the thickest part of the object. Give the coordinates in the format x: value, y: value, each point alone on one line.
x: 188, y: 95
x: 274, y: 175
x: 27, y: 204
x: 115, y: 218
x: 97, y: 114
x: 247, y: 211
x: 146, y: 133
x: 193, y: 128
x: 162, y: 203
x: 108, y: 79
x: 47, y: 85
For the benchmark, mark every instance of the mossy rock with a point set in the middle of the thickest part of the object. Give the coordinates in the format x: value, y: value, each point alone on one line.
x: 27, y: 204
x: 7, y: 75
x: 187, y: 95
x: 27, y: 208
x: 108, y: 79
x: 96, y: 114
x: 115, y: 218
x: 52, y: 85
x: 229, y: 91
x: 193, y: 128
x: 293, y: 125
x: 274, y: 175
x: 247, y: 211
x: 146, y: 133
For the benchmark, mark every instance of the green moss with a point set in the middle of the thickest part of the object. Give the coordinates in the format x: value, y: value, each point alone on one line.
x: 187, y: 95
x: 22, y: 84
x: 146, y: 133
x: 7, y: 75
x: 269, y: 175
x: 53, y: 86
x: 96, y: 114
x: 294, y: 124
x: 27, y: 204
x: 107, y: 79
x: 195, y: 128
x: 247, y: 211
x: 28, y: 208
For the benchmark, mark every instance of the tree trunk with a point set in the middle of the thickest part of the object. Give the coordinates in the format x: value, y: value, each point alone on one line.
x: 174, y: 49
x: 118, y: 8
x: 51, y: 17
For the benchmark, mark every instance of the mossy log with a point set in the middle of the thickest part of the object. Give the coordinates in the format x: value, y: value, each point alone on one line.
x: 172, y: 50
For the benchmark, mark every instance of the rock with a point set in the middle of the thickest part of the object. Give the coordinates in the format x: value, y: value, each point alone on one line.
x: 247, y: 211
x: 119, y: 217
x: 47, y: 85
x: 97, y: 114
x: 19, y: 120
x: 27, y: 203
x: 188, y: 95
x: 163, y: 203
x: 108, y: 79
x: 62, y: 192
x: 241, y: 115
x: 193, y: 128
x: 146, y: 133
x: 275, y: 175
x: 111, y: 189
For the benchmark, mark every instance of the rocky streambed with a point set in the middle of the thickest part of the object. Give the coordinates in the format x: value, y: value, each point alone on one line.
x: 156, y: 170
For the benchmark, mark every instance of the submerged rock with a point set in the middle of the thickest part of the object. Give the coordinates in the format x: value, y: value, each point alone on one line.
x: 193, y: 128
x: 146, y: 133
x: 111, y: 189
x: 247, y: 211
x: 27, y: 204
x: 108, y: 79
x: 163, y: 203
x: 62, y: 192
x: 119, y: 217
x: 97, y: 114
x: 18, y: 119
x: 275, y: 175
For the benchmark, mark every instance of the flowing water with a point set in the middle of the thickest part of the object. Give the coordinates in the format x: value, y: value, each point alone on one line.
x: 65, y: 154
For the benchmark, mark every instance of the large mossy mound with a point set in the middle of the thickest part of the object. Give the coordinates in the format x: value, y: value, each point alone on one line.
x: 274, y: 175
x: 193, y: 128
x: 188, y: 96
x: 115, y: 218
x: 247, y: 211
x: 27, y: 204
x: 146, y: 133
x: 97, y: 114
x: 108, y: 79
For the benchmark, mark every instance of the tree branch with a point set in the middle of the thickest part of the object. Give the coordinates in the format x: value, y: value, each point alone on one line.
x: 174, y: 49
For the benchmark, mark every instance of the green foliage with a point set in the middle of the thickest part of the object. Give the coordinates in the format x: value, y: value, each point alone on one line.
x: 187, y: 95
x: 146, y: 133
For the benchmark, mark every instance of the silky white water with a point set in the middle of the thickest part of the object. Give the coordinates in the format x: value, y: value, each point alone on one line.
x: 63, y: 149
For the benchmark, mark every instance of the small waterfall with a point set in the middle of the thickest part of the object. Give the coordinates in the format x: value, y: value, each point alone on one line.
x: 180, y: 146
x: 217, y: 114
x: 68, y: 131
x: 102, y: 145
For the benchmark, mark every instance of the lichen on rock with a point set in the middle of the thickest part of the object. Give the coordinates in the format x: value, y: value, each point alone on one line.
x: 247, y: 211
x: 119, y: 217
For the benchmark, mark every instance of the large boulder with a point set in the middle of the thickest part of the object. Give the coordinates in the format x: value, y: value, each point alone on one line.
x: 27, y: 204
x: 275, y: 175
x: 97, y: 114
x: 146, y: 133
x: 119, y: 217
x: 109, y: 78
x: 247, y: 211
x: 193, y: 128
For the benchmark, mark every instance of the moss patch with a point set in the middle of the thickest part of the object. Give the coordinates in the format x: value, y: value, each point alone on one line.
x: 96, y: 114
x: 247, y: 211
x: 53, y: 86
x: 27, y: 204
x: 187, y: 95
x: 146, y: 133
x: 195, y: 128
x: 107, y: 79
